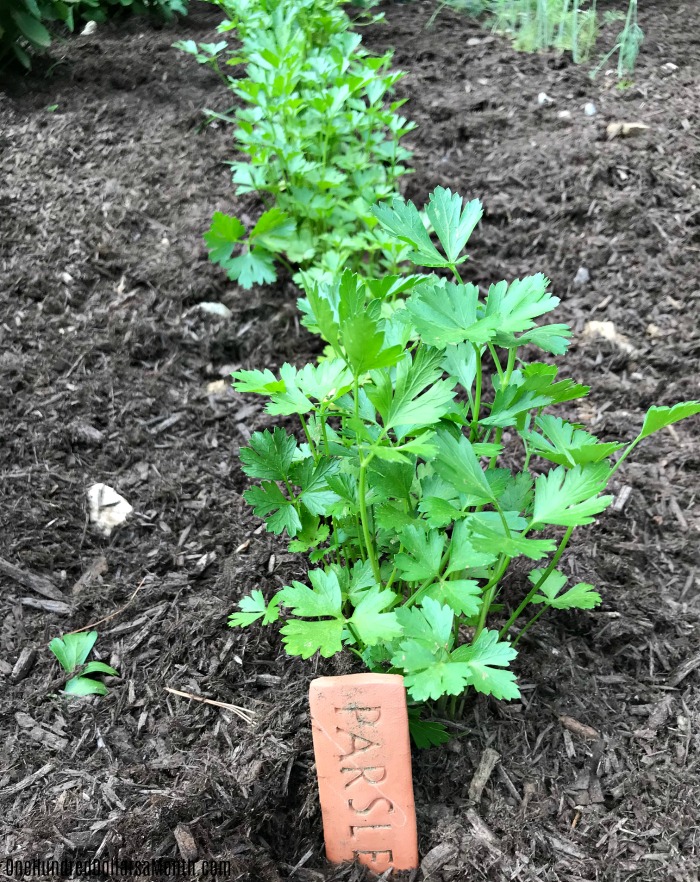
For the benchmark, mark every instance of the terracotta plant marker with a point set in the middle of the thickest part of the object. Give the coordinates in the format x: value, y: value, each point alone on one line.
x: 363, y: 761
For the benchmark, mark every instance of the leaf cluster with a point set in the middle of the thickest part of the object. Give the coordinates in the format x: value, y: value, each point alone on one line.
x: 320, y: 136
x: 72, y: 651
x: 25, y: 25
x: 403, y: 490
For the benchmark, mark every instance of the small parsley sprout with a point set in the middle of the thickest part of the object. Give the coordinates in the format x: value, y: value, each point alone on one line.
x: 71, y: 652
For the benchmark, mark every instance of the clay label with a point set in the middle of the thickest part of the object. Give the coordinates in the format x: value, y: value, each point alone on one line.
x: 363, y: 761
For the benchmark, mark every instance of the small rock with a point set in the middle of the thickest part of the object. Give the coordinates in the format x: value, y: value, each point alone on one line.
x: 219, y: 309
x: 607, y: 331
x: 89, y: 28
x: 582, y: 277
x: 564, y: 114
x: 107, y: 508
x: 625, y: 129
x: 84, y: 433
x: 543, y: 98
x: 185, y: 842
x: 590, y: 109
x: 669, y: 67
x: 218, y: 387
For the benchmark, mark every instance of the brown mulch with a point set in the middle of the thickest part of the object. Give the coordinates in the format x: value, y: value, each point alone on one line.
x: 110, y: 372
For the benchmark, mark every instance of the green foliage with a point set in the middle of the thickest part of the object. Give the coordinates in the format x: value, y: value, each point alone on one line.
x: 25, y: 25
x: 71, y: 652
x: 399, y: 490
x: 320, y: 137
x: 566, y: 25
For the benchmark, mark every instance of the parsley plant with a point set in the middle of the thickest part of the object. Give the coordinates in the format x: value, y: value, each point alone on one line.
x: 400, y: 492
x: 322, y: 144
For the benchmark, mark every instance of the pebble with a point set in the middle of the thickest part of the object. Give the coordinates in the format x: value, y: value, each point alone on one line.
x: 108, y: 509
x: 582, y: 277
x: 590, y: 109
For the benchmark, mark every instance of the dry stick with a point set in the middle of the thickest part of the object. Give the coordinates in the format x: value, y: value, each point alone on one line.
x: 111, y: 615
x: 239, y: 711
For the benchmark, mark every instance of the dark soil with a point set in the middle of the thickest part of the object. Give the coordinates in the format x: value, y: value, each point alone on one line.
x: 106, y: 365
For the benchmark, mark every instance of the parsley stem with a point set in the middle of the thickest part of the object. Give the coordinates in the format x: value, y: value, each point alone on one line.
x: 630, y: 448
x: 496, y: 360
x: 474, y: 430
x: 543, y: 578
x: 364, y: 519
x: 312, y: 447
x: 530, y: 623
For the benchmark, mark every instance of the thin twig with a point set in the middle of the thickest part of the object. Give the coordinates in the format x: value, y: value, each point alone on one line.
x: 244, y: 714
x: 111, y: 615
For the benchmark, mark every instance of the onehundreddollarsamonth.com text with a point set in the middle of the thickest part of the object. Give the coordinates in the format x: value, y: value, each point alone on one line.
x: 127, y: 867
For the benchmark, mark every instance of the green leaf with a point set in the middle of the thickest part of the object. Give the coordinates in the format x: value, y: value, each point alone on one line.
x: 290, y: 399
x: 551, y: 338
x: 430, y: 678
x: 457, y: 464
x: 327, y: 380
x: 363, y: 341
x: 306, y: 638
x: 422, y: 555
x: 223, y: 234
x: 257, y: 382
x: 274, y: 230
x: 484, y: 658
x: 97, y: 667
x: 430, y: 623
x: 324, y: 598
x: 72, y: 650
x: 272, y: 505
x: 411, y: 402
x: 447, y: 313
x: 254, y: 607
x: 463, y: 596
x: 452, y: 224
x: 426, y: 733
x: 659, y: 417
x: 312, y: 477
x: 255, y: 267
x: 403, y: 220
x: 581, y: 596
x: 487, y: 538
x: 565, y: 444
x: 269, y: 455
x: 85, y: 686
x: 518, y: 303
x: 31, y: 28
x: 570, y: 498
x: 370, y: 620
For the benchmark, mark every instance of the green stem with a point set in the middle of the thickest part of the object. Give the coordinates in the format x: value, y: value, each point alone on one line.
x: 543, y: 578
x: 530, y: 623
x: 630, y: 448
x: 364, y: 520
x: 312, y: 446
x: 474, y: 430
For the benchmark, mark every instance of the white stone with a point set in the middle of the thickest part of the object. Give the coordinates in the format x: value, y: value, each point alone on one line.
x: 590, y: 109
x: 89, y: 28
x: 107, y: 508
x: 543, y: 98
x: 582, y: 277
x: 219, y: 309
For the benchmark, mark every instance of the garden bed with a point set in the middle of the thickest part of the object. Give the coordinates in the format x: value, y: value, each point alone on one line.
x: 111, y: 372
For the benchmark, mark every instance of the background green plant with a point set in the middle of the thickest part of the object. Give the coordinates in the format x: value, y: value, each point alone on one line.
x: 567, y: 25
x: 320, y: 135
x: 25, y: 25
x: 404, y: 492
